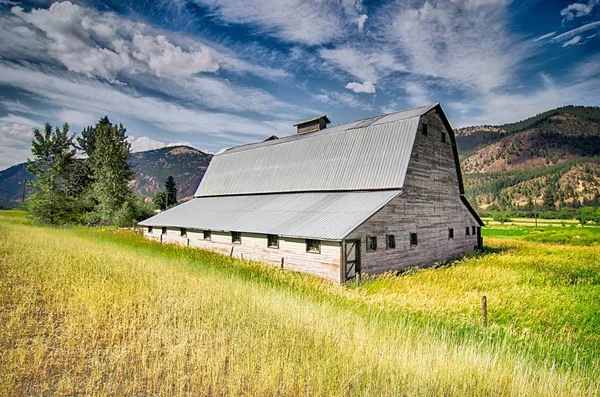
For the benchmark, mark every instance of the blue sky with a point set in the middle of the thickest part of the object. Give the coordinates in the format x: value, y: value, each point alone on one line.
x: 217, y: 73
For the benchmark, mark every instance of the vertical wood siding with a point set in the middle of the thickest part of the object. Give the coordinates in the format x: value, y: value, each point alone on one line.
x: 428, y: 206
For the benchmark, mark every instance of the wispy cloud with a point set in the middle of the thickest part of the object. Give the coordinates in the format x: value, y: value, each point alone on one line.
x: 571, y: 42
x: 366, y: 66
x: 576, y: 31
x: 545, y: 36
x: 339, y: 99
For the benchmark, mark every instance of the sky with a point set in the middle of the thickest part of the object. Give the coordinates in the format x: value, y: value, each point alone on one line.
x: 219, y: 73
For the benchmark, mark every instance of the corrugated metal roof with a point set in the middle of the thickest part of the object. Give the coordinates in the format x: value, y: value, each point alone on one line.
x: 326, y: 216
x: 363, y: 155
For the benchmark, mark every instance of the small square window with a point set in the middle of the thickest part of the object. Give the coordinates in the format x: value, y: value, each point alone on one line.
x: 413, y: 240
x: 236, y: 237
x: 443, y: 137
x: 272, y: 241
x: 474, y: 230
x: 390, y: 242
x: 424, y: 129
x: 183, y: 232
x: 450, y: 233
x: 150, y: 229
x: 467, y: 230
x: 371, y: 243
x: 206, y: 235
x: 313, y: 246
x: 164, y: 230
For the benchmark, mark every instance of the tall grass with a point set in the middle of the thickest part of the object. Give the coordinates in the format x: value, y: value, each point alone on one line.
x: 104, y: 312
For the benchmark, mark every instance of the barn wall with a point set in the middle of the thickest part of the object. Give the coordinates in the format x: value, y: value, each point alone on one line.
x: 254, y: 247
x: 428, y: 206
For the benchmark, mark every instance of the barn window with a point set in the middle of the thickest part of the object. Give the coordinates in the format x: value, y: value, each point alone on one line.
x: 390, y: 242
x: 450, y: 233
x: 413, y: 240
x: 206, y: 235
x: 164, y: 230
x: 236, y: 237
x: 371, y: 243
x: 272, y: 241
x: 467, y: 230
x: 443, y: 137
x: 313, y: 246
x: 474, y: 230
x: 424, y: 129
x: 183, y: 232
x: 150, y: 229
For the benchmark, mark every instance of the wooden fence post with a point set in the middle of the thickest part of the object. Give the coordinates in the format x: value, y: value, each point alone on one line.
x: 484, y: 310
x: 282, y: 262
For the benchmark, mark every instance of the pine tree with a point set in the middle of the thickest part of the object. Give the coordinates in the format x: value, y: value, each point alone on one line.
x: 159, y: 199
x: 52, y: 164
x: 171, y: 189
x: 108, y: 151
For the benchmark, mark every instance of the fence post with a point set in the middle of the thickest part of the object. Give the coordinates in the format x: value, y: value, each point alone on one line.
x: 484, y: 310
x: 282, y: 262
x: 357, y: 279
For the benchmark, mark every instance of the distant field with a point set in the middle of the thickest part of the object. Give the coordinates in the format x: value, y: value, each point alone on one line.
x: 540, y: 222
x: 96, y: 312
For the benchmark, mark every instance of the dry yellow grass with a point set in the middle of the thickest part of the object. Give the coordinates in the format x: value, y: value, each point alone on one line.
x: 83, y: 312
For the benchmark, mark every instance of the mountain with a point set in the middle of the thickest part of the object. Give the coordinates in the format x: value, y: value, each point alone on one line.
x: 549, y: 160
x: 186, y: 164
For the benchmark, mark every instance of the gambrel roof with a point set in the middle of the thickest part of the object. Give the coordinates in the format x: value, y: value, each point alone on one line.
x: 369, y: 154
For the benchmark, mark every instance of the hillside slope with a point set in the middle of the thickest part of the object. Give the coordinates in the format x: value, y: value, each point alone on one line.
x: 186, y: 164
x: 548, y: 160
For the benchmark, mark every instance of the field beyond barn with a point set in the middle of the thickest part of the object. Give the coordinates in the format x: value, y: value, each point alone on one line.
x: 96, y: 312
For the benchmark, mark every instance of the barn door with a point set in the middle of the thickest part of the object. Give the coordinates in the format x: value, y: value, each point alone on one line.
x: 351, y: 258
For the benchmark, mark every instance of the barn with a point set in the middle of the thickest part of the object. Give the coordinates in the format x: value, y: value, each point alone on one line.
x: 369, y: 196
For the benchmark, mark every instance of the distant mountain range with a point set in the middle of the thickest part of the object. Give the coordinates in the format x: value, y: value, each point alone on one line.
x: 551, y: 159
x: 152, y: 167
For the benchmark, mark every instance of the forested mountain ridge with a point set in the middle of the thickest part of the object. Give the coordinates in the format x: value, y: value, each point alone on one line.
x: 152, y: 167
x: 549, y: 160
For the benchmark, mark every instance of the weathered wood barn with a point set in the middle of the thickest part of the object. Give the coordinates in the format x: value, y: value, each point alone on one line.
x: 383, y: 193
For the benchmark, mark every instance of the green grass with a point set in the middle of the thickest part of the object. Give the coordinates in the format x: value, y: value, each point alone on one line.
x: 88, y: 311
x: 586, y: 236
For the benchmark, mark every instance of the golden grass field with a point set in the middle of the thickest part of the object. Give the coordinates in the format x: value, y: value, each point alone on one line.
x: 104, y: 312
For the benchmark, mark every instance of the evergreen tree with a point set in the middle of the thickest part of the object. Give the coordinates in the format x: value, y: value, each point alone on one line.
x: 108, y: 151
x: 52, y: 164
x: 159, y: 199
x: 171, y: 189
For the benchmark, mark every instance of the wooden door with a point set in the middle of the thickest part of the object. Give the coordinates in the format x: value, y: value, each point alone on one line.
x: 351, y: 258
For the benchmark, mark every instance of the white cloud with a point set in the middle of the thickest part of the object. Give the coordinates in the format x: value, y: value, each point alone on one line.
x: 366, y: 87
x: 143, y: 143
x: 571, y: 42
x: 364, y: 66
x: 361, y: 22
x: 576, y: 31
x: 104, y: 45
x: 310, y: 22
x: 166, y: 59
x: 545, y: 36
x: 466, y: 44
x: 577, y: 10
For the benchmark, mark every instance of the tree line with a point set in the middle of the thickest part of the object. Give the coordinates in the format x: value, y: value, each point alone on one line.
x: 93, y: 189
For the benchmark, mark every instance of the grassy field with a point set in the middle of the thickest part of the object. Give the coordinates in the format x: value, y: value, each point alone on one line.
x: 540, y: 222
x: 96, y: 312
